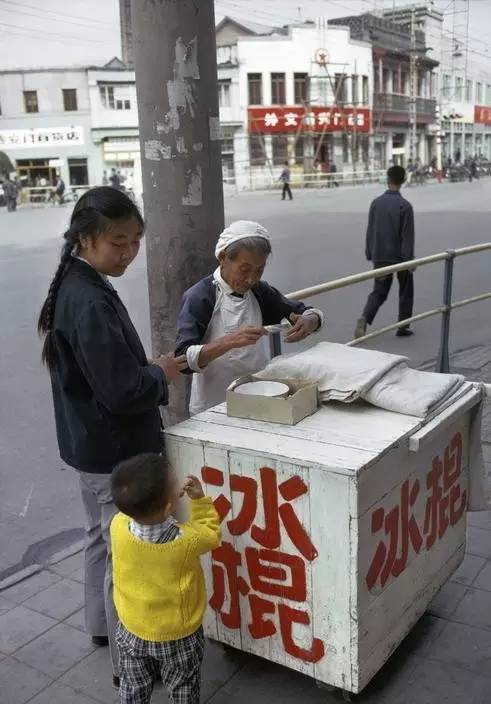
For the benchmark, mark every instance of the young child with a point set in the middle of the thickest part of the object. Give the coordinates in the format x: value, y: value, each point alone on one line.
x: 159, y: 588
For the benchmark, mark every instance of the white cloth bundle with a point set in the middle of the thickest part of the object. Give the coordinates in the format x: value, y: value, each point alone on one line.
x: 384, y: 380
x: 239, y: 230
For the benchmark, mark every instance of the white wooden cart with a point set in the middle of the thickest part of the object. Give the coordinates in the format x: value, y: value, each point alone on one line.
x: 337, y: 532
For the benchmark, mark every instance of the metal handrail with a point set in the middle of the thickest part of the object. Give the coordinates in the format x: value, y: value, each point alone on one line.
x: 444, y: 310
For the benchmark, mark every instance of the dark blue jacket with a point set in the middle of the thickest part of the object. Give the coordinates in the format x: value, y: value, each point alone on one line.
x: 106, y: 394
x: 390, y: 231
x: 199, y: 301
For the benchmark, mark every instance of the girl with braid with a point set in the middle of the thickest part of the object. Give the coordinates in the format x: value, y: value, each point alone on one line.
x: 106, y: 393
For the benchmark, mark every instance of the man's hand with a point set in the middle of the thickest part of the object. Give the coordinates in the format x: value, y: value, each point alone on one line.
x: 172, y: 366
x: 244, y: 337
x: 193, y: 488
x: 303, y: 326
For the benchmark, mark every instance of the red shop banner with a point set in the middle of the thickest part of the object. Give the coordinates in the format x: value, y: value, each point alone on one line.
x: 482, y: 115
x: 284, y: 120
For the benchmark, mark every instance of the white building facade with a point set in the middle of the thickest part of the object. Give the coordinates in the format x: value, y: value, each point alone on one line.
x: 78, y: 123
x: 300, y: 95
x: 462, y: 81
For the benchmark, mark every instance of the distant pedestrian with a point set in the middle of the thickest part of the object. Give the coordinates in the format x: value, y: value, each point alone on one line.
x: 390, y: 240
x: 10, y: 193
x: 334, y: 170
x: 57, y: 194
x: 159, y: 586
x: 114, y: 180
x: 285, y: 177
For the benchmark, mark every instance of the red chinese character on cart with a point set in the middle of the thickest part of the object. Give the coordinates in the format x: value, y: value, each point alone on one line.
x: 272, y: 572
x: 447, y: 501
x: 400, y: 526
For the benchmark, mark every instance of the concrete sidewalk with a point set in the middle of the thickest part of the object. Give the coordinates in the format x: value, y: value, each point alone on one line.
x: 46, y: 658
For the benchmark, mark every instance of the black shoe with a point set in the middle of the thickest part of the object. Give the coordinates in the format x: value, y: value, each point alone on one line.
x: 404, y: 332
x: 115, y: 682
x: 100, y: 641
x: 361, y: 328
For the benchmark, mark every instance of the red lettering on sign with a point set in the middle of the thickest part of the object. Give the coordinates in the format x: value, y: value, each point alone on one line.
x: 446, y: 502
x: 271, y: 572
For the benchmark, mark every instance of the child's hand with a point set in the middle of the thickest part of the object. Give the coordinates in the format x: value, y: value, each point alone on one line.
x: 193, y: 488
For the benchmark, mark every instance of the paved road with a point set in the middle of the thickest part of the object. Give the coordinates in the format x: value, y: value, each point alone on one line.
x: 317, y: 237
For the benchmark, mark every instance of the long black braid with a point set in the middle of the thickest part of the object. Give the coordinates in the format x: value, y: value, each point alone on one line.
x: 91, y: 216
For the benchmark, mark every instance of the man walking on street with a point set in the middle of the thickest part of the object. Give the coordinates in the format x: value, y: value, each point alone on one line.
x: 10, y: 193
x: 390, y: 240
x: 285, y: 177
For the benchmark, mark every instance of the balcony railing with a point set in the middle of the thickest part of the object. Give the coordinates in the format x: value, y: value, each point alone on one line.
x: 393, y: 102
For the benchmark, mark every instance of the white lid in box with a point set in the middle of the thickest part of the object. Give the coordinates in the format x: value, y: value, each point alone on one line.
x: 300, y: 403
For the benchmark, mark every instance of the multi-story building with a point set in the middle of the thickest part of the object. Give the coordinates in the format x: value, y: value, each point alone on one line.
x: 392, y: 46
x: 300, y: 94
x: 462, y: 81
x: 45, y: 123
x: 75, y: 122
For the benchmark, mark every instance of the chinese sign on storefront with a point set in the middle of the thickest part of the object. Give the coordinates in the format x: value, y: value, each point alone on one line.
x: 284, y: 120
x: 41, y: 137
x: 272, y: 580
x: 396, y: 527
x: 482, y: 115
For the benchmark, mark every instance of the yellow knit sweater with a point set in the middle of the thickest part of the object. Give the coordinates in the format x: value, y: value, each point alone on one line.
x: 159, y: 588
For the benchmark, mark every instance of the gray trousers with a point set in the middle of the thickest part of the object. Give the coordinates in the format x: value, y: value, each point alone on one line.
x: 100, y: 614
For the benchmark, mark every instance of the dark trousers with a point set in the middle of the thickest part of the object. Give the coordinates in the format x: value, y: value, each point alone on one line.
x: 11, y: 204
x: 381, y: 288
x: 286, y: 189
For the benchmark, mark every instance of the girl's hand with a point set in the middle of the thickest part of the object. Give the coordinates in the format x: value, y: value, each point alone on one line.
x: 193, y: 488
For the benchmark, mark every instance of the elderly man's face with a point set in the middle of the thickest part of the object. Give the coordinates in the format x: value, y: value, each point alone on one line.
x: 244, y: 271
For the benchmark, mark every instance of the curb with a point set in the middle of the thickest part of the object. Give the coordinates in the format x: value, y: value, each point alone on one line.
x: 20, y: 576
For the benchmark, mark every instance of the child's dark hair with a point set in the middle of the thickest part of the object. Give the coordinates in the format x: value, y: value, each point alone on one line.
x: 396, y: 175
x: 140, y: 485
x: 92, y: 216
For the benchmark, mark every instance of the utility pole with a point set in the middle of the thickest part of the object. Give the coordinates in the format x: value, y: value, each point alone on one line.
x: 413, y: 87
x: 176, y: 80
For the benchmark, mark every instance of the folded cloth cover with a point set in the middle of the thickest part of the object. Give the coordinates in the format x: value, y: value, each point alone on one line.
x: 342, y: 373
x: 384, y: 380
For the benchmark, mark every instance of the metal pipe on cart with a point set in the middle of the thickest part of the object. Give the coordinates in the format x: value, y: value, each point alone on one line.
x: 443, y: 360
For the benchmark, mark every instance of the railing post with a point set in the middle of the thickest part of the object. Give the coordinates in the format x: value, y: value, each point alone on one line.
x: 443, y: 361
x: 275, y: 344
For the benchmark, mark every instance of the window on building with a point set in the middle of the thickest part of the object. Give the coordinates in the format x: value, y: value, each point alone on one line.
x: 365, y: 95
x: 395, y: 82
x: 224, y: 94
x: 115, y: 97
x: 257, y: 156
x: 385, y: 81
x: 280, y: 149
x: 69, y: 99
x: 355, y: 93
x: 227, y: 141
x: 78, y: 172
x: 31, y: 101
x: 404, y: 82
x: 479, y: 93
x: 278, y: 89
x: 300, y: 83
x: 299, y: 149
x: 468, y: 91
x: 488, y: 94
x: 255, y: 84
x: 340, y: 95
x: 459, y: 84
x: 446, y: 85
